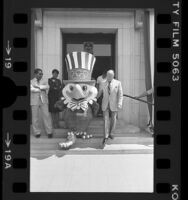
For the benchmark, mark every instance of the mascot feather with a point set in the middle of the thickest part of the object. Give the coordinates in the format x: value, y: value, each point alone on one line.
x: 79, y: 101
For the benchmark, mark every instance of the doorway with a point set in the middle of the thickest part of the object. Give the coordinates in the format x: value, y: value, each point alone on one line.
x: 103, y: 45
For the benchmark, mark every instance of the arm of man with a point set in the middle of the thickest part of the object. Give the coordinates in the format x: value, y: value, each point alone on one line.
x: 44, y: 86
x: 145, y: 93
x: 120, y: 96
x: 150, y: 91
x: 141, y: 95
x: 34, y: 88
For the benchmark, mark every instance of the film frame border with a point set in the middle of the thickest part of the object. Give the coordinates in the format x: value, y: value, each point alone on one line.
x: 16, y: 150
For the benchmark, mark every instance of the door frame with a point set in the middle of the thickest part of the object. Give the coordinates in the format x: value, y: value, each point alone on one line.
x: 97, y: 38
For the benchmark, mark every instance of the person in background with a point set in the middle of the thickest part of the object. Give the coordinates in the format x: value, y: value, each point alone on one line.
x: 144, y: 94
x: 111, y: 103
x: 54, y: 94
x: 92, y: 78
x: 39, y: 100
x: 101, y: 79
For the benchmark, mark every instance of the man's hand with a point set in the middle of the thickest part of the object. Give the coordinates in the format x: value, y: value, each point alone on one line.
x: 35, y: 86
x: 119, y: 106
x: 42, y: 88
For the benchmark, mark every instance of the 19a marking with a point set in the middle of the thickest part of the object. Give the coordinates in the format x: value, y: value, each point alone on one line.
x: 8, y: 152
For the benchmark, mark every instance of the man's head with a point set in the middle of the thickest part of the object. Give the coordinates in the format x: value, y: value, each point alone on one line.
x: 55, y: 73
x: 110, y: 75
x: 38, y: 74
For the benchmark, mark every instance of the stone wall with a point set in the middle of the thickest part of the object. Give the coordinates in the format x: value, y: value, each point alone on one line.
x: 129, y: 50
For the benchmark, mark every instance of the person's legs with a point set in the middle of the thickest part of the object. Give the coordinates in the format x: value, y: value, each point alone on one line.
x: 100, y: 113
x: 47, y: 119
x: 113, y: 122
x: 52, y: 117
x: 35, y: 120
x: 106, y: 122
x: 56, y: 119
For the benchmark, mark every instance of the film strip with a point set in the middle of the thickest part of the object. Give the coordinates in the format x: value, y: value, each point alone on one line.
x: 16, y: 112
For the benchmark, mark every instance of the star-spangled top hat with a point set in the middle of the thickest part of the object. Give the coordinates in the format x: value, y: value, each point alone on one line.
x: 79, y: 66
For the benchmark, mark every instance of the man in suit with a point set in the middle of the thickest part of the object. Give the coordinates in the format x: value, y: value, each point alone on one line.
x: 151, y: 120
x: 111, y: 103
x: 39, y: 100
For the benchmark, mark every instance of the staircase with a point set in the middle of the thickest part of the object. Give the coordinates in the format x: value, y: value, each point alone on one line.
x: 97, y: 130
x: 128, y: 139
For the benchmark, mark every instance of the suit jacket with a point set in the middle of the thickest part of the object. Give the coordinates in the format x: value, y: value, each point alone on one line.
x: 115, y: 98
x: 39, y: 96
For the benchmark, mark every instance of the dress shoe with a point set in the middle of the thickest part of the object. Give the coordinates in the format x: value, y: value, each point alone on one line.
x: 104, y: 141
x: 37, y: 136
x: 111, y: 137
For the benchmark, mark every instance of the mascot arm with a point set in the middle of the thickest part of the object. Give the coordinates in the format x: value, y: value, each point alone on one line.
x: 95, y: 108
x: 60, y: 105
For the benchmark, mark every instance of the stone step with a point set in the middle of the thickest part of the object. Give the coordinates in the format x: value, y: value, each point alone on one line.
x: 127, y: 131
x: 43, y: 147
x: 98, y: 122
x: 117, y: 140
x: 96, y: 128
x: 45, y: 144
x: 98, y: 133
x: 59, y: 153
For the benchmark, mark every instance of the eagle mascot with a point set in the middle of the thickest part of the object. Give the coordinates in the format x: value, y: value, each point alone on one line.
x: 79, y: 101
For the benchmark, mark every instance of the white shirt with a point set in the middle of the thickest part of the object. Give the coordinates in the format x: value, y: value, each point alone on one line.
x: 38, y: 93
x: 100, y: 81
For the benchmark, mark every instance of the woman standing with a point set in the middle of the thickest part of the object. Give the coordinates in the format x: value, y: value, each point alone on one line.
x: 54, y: 94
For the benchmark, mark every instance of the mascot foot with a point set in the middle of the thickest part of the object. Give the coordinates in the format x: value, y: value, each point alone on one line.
x: 69, y: 142
x: 65, y: 145
x: 83, y: 135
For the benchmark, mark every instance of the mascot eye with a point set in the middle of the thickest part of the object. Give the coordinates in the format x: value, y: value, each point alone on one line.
x: 71, y: 88
x: 84, y: 88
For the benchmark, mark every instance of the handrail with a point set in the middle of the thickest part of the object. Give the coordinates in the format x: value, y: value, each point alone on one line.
x: 138, y: 99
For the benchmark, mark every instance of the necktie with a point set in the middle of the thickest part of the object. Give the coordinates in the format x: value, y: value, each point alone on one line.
x: 109, y: 87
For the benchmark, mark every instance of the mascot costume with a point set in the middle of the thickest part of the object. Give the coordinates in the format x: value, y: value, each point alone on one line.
x: 79, y: 101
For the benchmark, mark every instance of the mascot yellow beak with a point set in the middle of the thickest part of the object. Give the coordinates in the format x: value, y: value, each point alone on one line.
x: 78, y: 92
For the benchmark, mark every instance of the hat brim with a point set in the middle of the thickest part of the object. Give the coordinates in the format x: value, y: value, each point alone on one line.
x: 79, y: 81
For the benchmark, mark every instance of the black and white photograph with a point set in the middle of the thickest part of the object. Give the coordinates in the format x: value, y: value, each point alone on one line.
x: 92, y: 100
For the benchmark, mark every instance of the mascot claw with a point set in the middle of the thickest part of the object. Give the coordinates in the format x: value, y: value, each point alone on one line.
x: 71, y: 139
x: 83, y: 135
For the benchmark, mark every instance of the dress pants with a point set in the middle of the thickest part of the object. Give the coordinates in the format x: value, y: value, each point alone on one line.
x: 46, y: 118
x: 110, y: 119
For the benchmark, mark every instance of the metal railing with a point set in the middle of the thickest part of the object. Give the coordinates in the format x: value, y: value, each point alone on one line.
x: 125, y: 95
